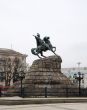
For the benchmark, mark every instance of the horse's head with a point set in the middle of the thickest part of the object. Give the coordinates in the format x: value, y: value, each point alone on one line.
x: 46, y: 39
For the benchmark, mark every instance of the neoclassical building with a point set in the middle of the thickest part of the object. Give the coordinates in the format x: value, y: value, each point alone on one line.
x: 11, y: 62
x: 69, y: 72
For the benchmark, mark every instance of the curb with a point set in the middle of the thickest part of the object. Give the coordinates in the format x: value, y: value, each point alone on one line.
x: 41, y: 101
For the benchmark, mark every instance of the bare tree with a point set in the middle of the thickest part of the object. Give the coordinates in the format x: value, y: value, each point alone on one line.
x: 12, y: 69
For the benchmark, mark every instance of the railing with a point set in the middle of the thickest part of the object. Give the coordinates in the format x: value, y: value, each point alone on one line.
x: 46, y: 92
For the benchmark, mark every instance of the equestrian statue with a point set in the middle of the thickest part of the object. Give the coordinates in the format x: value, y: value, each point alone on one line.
x: 42, y: 46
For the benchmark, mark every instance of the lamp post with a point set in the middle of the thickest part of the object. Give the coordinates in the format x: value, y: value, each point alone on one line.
x: 21, y: 76
x: 79, y: 77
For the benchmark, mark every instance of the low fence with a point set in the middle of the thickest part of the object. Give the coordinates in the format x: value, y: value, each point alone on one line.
x: 47, y: 92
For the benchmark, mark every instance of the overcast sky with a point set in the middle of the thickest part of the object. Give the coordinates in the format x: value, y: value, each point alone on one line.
x: 65, y: 21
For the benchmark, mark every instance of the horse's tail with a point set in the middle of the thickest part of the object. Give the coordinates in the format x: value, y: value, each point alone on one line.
x: 54, y: 49
x: 33, y: 51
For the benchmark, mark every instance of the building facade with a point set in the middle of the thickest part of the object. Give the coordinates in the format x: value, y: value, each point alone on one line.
x: 70, y: 72
x: 11, y: 62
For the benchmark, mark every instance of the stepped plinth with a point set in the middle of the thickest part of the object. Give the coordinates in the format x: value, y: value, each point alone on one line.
x: 45, y: 74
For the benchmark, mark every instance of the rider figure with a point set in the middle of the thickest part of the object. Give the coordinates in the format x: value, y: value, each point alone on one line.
x: 43, y: 44
x: 38, y: 40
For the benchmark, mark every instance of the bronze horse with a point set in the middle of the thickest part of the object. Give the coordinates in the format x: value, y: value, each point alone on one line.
x: 42, y: 46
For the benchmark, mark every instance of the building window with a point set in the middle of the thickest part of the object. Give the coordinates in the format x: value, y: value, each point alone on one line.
x: 1, y: 76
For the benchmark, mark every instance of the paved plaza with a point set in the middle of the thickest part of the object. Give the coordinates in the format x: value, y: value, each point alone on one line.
x: 60, y: 106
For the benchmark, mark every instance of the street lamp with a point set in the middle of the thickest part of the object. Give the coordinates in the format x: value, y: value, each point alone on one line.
x: 21, y: 77
x: 79, y: 77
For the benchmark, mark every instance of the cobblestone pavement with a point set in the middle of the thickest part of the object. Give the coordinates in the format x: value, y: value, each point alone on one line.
x: 60, y: 106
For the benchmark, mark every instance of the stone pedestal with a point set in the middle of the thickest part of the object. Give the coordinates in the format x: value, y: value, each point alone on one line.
x: 45, y: 78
